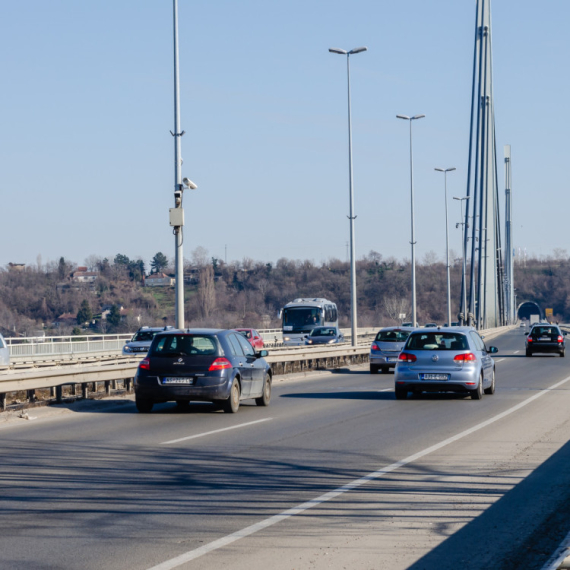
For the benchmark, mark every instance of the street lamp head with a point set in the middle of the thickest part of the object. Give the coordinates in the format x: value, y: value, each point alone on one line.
x: 336, y: 50
x: 405, y: 117
x: 464, y: 198
x: 417, y: 117
x: 357, y: 50
x: 439, y: 169
x: 450, y: 169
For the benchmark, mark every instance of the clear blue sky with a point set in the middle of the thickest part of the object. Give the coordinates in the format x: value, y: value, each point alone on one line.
x: 87, y: 105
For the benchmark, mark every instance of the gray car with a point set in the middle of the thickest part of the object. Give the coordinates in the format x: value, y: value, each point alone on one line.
x: 4, y: 352
x: 386, y: 348
x: 324, y: 335
x: 445, y: 360
x: 142, y: 339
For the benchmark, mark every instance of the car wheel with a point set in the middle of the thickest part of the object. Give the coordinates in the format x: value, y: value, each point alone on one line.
x: 374, y: 368
x: 144, y: 405
x: 264, y: 399
x: 528, y: 352
x: 401, y: 393
x: 231, y: 405
x: 491, y: 388
x: 477, y: 394
x: 562, y: 353
x: 385, y: 369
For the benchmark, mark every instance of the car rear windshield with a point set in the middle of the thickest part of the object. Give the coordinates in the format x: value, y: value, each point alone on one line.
x: 185, y: 345
x: 545, y: 331
x: 392, y: 336
x: 437, y: 341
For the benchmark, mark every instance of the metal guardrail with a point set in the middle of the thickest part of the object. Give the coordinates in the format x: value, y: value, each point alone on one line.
x: 58, y: 347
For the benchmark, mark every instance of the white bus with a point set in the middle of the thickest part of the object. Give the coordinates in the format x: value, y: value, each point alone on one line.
x: 301, y: 316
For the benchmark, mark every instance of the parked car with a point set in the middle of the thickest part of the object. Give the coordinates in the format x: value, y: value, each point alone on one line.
x: 140, y: 343
x: 4, y: 352
x: 447, y: 360
x: 386, y: 348
x: 209, y: 365
x: 253, y: 337
x: 545, y: 338
x: 324, y: 335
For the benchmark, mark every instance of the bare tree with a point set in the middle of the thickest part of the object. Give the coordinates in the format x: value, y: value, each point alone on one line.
x: 207, y: 291
x: 396, y: 306
x: 200, y: 256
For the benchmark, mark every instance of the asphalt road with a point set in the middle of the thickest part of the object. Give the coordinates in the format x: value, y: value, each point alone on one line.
x: 334, y: 474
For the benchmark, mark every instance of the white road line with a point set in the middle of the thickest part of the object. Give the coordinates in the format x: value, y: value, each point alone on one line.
x: 386, y: 390
x: 516, y: 351
x: 252, y: 529
x: 500, y: 360
x: 215, y: 431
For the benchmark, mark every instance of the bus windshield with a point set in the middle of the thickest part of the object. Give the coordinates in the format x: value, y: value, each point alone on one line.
x: 297, y: 319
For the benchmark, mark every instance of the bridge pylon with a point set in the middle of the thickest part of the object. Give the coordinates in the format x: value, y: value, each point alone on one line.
x: 484, y: 282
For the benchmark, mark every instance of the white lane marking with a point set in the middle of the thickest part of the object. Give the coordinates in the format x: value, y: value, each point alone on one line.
x: 500, y: 360
x: 516, y: 351
x: 252, y: 529
x: 215, y: 431
x: 386, y: 390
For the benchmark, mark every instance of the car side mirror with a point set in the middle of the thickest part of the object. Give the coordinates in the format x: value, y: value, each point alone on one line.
x: 261, y: 353
x: 492, y: 350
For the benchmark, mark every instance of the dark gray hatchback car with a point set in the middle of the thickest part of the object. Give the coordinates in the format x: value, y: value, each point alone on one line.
x: 202, y: 365
x: 545, y: 338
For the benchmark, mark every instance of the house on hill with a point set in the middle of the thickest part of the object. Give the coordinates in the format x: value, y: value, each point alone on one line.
x: 159, y: 280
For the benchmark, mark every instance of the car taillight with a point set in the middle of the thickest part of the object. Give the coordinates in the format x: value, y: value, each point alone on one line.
x: 144, y: 364
x: 375, y: 347
x: 529, y: 339
x: 407, y: 357
x: 560, y: 338
x: 465, y: 357
x: 220, y: 364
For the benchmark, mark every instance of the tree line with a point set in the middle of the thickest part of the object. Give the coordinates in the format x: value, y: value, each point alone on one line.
x: 249, y: 293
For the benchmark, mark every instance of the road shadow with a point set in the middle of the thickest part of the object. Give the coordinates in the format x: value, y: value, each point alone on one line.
x: 520, y: 530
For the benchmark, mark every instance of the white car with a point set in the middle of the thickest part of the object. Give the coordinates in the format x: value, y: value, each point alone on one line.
x: 4, y: 352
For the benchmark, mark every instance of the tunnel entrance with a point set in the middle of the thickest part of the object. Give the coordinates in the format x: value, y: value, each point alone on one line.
x: 527, y: 309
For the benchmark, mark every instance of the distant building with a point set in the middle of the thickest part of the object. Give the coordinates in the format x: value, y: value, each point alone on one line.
x: 159, y: 280
x: 16, y: 266
x: 81, y: 275
x: 66, y: 319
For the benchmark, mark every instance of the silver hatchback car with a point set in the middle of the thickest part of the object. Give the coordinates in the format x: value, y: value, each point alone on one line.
x: 445, y: 360
x: 386, y: 348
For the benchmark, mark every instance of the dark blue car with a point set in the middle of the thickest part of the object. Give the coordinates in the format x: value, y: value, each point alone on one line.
x: 202, y: 365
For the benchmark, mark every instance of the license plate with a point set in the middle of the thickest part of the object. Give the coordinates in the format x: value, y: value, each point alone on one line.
x: 183, y: 381
x: 544, y: 338
x: 391, y: 359
x: 434, y: 376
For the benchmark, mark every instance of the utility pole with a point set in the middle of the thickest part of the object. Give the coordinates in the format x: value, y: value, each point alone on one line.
x: 510, y: 301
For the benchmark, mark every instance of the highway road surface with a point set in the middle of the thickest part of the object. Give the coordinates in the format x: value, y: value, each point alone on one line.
x: 335, y: 474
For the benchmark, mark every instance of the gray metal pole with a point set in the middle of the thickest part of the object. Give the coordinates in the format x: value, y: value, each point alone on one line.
x: 413, y: 240
x: 178, y: 236
x: 464, y: 229
x: 353, y: 315
x: 447, y: 254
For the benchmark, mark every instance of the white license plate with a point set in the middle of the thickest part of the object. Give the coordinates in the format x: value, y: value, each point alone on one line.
x: 391, y: 359
x: 183, y: 381
x: 544, y: 338
x: 434, y: 376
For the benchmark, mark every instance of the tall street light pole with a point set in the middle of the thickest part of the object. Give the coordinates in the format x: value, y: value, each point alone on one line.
x: 351, y: 217
x: 413, y: 241
x: 463, y: 230
x: 445, y: 171
x: 177, y: 213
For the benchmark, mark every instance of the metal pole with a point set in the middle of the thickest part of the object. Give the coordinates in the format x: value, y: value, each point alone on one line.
x: 178, y: 236
x: 353, y: 317
x: 413, y: 241
x: 447, y: 254
x: 463, y: 232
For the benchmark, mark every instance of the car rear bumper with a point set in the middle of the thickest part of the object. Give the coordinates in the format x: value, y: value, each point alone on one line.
x: 384, y: 359
x: 205, y: 389
x: 545, y: 347
x: 460, y: 380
